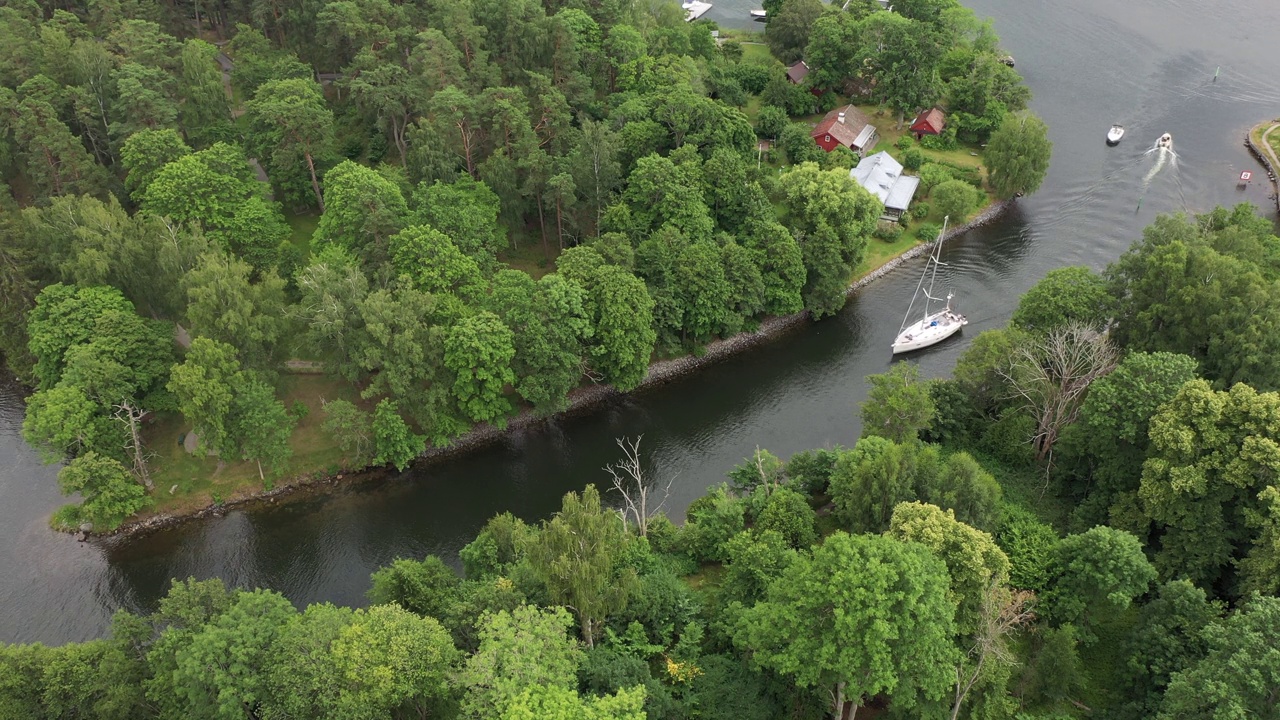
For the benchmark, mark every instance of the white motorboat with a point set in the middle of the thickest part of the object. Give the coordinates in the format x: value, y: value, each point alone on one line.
x: 695, y: 9
x: 933, y: 326
x: 759, y: 15
x: 1114, y: 134
x: 1165, y: 142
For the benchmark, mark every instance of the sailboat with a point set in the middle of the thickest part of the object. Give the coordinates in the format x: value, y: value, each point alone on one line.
x: 932, y: 327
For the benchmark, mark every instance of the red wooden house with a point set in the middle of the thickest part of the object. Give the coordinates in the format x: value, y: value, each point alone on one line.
x: 929, y: 122
x: 845, y: 126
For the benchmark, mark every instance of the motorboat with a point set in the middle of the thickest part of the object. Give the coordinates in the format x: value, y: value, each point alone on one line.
x: 1114, y: 134
x: 1165, y: 142
x: 759, y: 15
x: 695, y: 9
x: 933, y: 326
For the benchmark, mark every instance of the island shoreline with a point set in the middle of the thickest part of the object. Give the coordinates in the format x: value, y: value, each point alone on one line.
x: 581, y: 401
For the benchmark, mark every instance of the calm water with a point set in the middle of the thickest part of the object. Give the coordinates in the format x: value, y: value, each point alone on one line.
x: 1147, y: 64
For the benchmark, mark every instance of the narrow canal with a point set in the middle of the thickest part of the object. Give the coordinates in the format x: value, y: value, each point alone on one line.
x: 1147, y: 64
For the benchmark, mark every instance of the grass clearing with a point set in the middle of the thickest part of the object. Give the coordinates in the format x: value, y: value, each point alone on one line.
x: 303, y: 226
x: 880, y: 252
x: 185, y: 482
x: 758, y: 53
x: 531, y: 258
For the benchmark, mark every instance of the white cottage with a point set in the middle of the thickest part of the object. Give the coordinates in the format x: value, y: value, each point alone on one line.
x: 882, y: 176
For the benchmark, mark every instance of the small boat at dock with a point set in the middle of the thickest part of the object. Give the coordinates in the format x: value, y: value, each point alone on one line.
x: 759, y: 15
x: 1114, y: 134
x: 695, y: 9
x: 932, y: 327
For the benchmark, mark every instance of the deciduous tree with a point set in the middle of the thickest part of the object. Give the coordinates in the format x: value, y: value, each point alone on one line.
x: 898, y: 406
x: 1017, y: 156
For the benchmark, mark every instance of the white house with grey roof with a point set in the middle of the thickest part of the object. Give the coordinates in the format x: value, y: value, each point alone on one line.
x: 882, y: 176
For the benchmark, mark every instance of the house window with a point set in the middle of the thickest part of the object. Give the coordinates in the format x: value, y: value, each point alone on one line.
x: 828, y: 139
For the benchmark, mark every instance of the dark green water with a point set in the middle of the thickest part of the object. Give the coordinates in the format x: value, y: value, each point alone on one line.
x: 1147, y: 64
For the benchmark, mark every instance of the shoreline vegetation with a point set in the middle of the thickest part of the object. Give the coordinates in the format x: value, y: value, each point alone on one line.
x: 583, y: 400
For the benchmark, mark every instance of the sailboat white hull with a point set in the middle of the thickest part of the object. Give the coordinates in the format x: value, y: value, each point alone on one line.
x: 928, y: 331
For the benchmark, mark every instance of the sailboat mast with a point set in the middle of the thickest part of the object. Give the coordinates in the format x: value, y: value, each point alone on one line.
x: 936, y: 258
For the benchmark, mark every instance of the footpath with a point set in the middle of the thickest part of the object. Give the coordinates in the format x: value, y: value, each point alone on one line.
x: 1265, y: 151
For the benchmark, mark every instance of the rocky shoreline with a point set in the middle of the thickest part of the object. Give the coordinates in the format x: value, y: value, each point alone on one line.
x: 1262, y: 156
x: 581, y: 401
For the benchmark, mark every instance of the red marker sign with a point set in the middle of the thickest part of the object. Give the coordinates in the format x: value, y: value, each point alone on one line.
x: 1245, y: 176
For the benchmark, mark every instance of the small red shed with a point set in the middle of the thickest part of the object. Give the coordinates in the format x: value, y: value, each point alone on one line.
x: 929, y: 122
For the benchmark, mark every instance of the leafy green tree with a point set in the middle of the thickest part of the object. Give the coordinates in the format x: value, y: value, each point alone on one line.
x: 393, y: 441
x: 333, y: 290
x: 956, y: 198
x: 61, y: 422
x: 479, y: 350
x: 868, y: 481
x: 144, y: 153
x: 1167, y: 639
x: 290, y: 123
x: 226, y: 306
x: 434, y: 263
x: 222, y: 672
x: 65, y: 316
x: 787, y: 512
x: 832, y: 216
x: 427, y: 587
x: 261, y: 426
x: 781, y: 264
x: 1030, y: 545
x: 392, y: 660
x: 1063, y: 296
x: 703, y: 290
x: 351, y: 428
x: 519, y: 649
x: 110, y: 494
x: 1238, y: 676
x: 141, y: 100
x: 204, y: 385
x: 1212, y: 457
x: 53, y: 159
x: 770, y: 121
x: 1111, y: 439
x: 829, y: 52
x: 788, y: 30
x: 1017, y: 156
x: 898, y: 406
x: 864, y: 615
x: 621, y: 312
x: 467, y: 211
x: 1097, y: 567
x: 755, y: 560
x: 1193, y: 289
x: 974, y: 562
x: 576, y: 554
x: 795, y: 139
x: 204, y: 113
x: 362, y: 211
x: 902, y: 56
x: 301, y: 679
x: 549, y: 324
x: 539, y: 702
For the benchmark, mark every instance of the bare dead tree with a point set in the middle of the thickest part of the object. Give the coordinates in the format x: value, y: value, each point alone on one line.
x: 125, y: 412
x: 1052, y: 374
x: 639, y: 492
x: 1003, y: 612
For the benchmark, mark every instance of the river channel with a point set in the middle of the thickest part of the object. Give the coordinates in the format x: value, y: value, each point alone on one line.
x: 1147, y: 64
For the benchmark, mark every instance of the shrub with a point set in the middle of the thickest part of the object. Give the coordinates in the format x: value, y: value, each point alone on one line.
x: 913, y: 159
x: 933, y: 174
x: 956, y: 199
x: 905, y: 143
x: 920, y: 210
x: 753, y: 77
x: 713, y: 520
x: 788, y: 513
x: 945, y: 141
x: 928, y: 231
x: 887, y: 231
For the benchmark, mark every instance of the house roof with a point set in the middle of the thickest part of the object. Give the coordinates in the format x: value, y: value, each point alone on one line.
x: 930, y: 121
x: 798, y: 72
x: 846, y: 132
x: 882, y: 176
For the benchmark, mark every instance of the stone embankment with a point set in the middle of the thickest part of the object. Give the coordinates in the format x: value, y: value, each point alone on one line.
x: 1266, y: 155
x: 581, y: 401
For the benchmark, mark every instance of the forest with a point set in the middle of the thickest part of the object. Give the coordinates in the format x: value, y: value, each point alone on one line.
x: 1081, y: 521
x: 306, y: 236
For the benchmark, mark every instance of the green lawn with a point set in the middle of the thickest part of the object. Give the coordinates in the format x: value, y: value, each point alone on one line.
x: 531, y: 258
x: 303, y: 226
x: 196, y: 482
x: 758, y: 53
x: 880, y: 252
